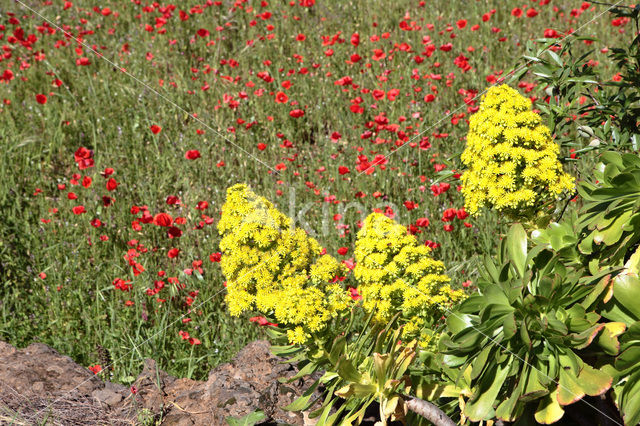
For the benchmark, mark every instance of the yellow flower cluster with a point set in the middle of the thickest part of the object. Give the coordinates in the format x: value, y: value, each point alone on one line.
x: 277, y: 269
x: 396, y: 274
x: 512, y: 160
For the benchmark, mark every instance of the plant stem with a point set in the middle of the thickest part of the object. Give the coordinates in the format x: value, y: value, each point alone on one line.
x: 429, y: 411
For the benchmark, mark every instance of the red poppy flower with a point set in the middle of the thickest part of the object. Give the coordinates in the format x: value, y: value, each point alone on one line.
x: 429, y: 98
x: 174, y: 232
x: 355, y: 39
x: 173, y: 200
x: 203, y: 32
x: 7, y: 75
x: 86, y: 181
x: 215, y: 257
x: 281, y: 98
x: 155, y: 129
x: 354, y: 294
x: 41, y: 99
x: 78, y: 210
x: 431, y: 244
x: 461, y: 23
x: 296, y: 113
x: 343, y: 170
x: 410, y: 205
x: 448, y: 215
x: 112, y: 184
x: 262, y: 321
x: 162, y: 219
x: 173, y: 253
x: 462, y: 214
x: 262, y: 146
x: 202, y: 205
x: 422, y: 222
x: 95, y: 369
x: 342, y: 251
x: 378, y: 54
x: 84, y: 158
x: 192, y: 154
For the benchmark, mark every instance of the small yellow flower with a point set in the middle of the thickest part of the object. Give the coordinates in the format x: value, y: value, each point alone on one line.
x: 512, y: 160
x: 277, y: 269
x: 397, y: 275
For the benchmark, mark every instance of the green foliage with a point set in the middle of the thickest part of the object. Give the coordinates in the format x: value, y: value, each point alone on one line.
x: 520, y: 339
x: 248, y: 420
x: 556, y: 315
x: 573, y: 87
x: 366, y: 364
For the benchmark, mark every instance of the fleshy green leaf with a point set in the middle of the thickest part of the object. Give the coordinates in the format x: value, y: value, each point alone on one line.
x: 480, y: 407
x: 549, y: 410
x: 594, y: 382
x: 517, y: 247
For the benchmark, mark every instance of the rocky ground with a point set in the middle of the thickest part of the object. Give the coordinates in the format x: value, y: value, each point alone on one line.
x: 40, y: 386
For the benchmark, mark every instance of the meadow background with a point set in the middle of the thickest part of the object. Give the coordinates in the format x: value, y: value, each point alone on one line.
x: 123, y: 123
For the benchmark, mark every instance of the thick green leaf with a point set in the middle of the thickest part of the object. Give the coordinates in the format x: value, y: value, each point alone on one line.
x: 608, y: 339
x: 569, y: 390
x: 347, y: 371
x: 628, y: 358
x: 248, y: 420
x: 480, y: 407
x: 524, y: 334
x: 509, y: 326
x: 509, y: 410
x: 304, y: 401
x: 458, y: 322
x: 630, y: 400
x: 517, y: 247
x: 533, y: 389
x: 626, y: 290
x: 337, y: 349
x: 549, y: 410
x: 356, y: 390
x: 480, y: 362
x: 594, y: 382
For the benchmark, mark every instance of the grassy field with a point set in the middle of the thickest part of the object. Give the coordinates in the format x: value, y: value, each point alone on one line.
x: 114, y: 114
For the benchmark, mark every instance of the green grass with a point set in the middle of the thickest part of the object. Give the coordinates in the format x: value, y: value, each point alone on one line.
x: 76, y: 308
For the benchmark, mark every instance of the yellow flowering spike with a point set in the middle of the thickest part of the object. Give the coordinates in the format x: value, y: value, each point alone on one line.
x: 396, y: 274
x: 512, y: 161
x: 276, y: 269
